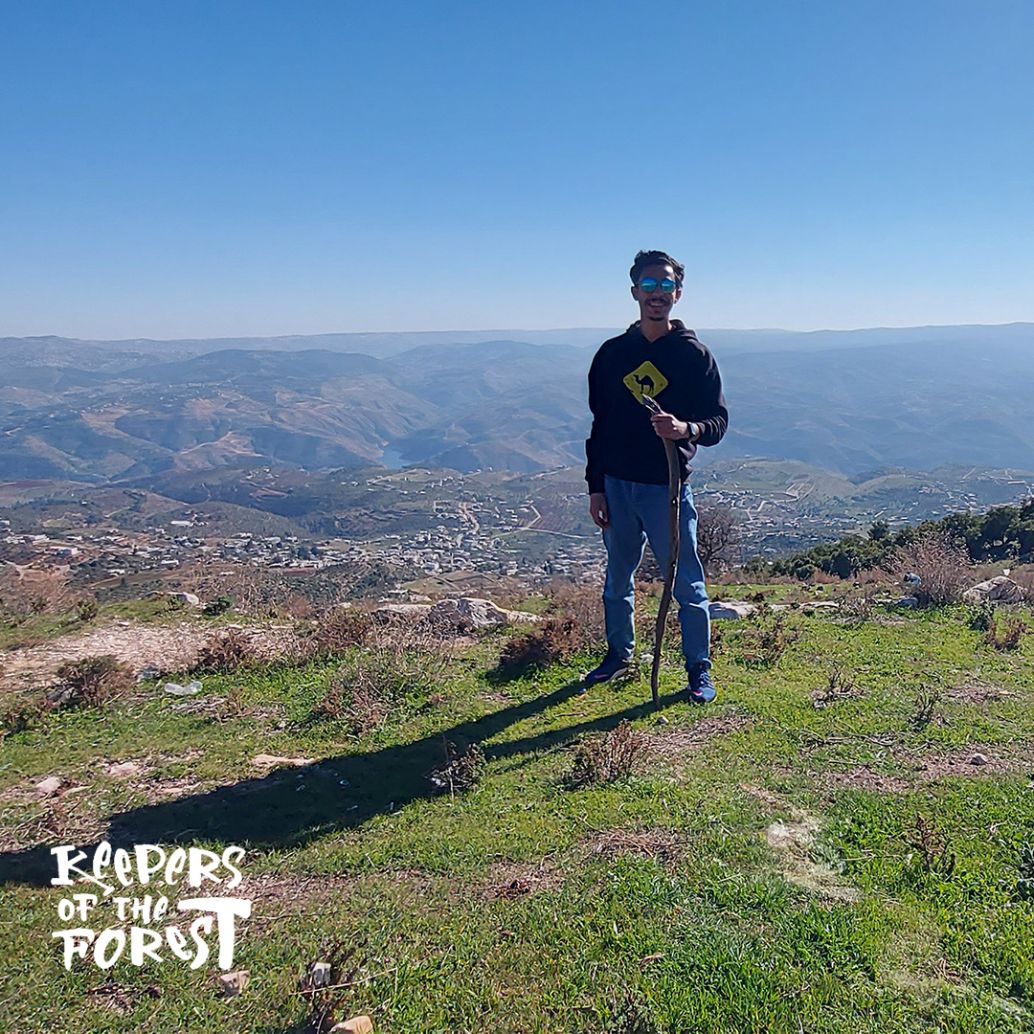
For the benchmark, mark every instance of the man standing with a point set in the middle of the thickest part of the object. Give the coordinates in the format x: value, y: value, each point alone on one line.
x: 627, y: 468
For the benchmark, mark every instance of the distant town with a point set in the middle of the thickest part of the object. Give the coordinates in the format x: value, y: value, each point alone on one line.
x: 448, y: 522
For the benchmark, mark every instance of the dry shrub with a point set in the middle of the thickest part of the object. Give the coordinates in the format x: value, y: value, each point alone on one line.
x: 86, y: 609
x: 33, y: 592
x: 554, y: 640
x: 837, y: 687
x: 718, y: 643
x: 943, y: 567
x: 820, y: 577
x: 90, y: 682
x: 859, y: 603
x: 329, y: 983
x: 461, y: 768
x: 1024, y: 578
x: 225, y: 651
x: 930, y: 849
x: 581, y: 603
x: 339, y: 630
x: 764, y: 640
x: 1005, y: 633
x: 24, y: 713
x: 372, y: 682
x: 925, y: 708
x: 604, y: 757
x: 298, y: 607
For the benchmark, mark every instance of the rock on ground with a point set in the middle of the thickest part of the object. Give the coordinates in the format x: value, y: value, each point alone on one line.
x: 999, y: 590
x: 730, y: 610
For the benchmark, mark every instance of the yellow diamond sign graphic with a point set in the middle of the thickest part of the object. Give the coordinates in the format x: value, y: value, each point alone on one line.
x: 646, y: 380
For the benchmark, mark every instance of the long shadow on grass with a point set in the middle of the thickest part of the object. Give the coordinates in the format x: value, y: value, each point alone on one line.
x: 291, y: 807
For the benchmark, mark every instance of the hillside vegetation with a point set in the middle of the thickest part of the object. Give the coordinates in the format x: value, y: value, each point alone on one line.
x: 843, y: 842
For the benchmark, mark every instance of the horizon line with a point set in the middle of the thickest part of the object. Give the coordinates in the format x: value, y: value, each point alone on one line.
x: 504, y: 330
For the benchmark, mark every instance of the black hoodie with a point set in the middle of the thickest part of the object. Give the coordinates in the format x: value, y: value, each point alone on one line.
x: 680, y: 373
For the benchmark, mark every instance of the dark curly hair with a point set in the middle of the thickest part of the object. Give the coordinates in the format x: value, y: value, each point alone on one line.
x: 656, y: 258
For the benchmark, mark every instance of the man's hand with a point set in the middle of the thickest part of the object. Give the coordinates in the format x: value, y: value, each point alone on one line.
x: 598, y: 509
x: 670, y: 427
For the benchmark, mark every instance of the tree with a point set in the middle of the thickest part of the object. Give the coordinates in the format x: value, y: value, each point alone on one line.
x: 718, y: 537
x: 879, y: 531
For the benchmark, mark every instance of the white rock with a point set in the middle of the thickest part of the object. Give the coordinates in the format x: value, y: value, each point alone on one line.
x: 183, y: 691
x: 233, y: 983
x: 124, y: 768
x: 999, y: 589
x: 319, y: 974
x: 467, y: 612
x: 264, y: 760
x: 978, y: 759
x: 49, y: 785
x: 356, y: 1025
x: 406, y: 611
x: 730, y: 610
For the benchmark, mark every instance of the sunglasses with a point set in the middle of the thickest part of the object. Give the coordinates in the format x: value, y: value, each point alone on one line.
x: 648, y: 285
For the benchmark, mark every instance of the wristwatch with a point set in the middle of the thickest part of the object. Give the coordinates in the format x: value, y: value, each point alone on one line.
x: 695, y: 431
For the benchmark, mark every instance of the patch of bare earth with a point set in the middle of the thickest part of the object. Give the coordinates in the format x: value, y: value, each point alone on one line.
x: 866, y: 778
x: 507, y: 881
x: 163, y: 648
x: 975, y: 760
x: 278, y: 896
x: 673, y: 744
x: 662, y: 844
x: 972, y: 761
x: 976, y: 693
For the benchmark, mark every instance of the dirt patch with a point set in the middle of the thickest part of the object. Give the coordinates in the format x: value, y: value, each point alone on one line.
x: 677, y: 742
x: 976, y: 693
x: 975, y: 760
x: 165, y: 648
x: 507, y: 881
x: 866, y: 778
x: 661, y: 844
x: 766, y: 797
x: 278, y: 896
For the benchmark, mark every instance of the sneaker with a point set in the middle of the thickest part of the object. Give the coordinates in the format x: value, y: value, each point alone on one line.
x: 701, y: 690
x: 610, y: 668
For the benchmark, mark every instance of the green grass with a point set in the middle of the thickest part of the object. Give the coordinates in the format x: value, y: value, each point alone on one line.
x: 699, y: 925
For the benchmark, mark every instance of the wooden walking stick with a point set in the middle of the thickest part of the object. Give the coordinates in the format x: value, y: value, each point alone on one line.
x: 674, y: 496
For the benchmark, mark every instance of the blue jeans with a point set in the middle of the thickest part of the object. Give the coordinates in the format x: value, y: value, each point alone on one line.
x: 639, y: 513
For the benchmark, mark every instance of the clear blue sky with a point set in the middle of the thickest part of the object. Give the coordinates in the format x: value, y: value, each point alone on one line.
x: 212, y: 168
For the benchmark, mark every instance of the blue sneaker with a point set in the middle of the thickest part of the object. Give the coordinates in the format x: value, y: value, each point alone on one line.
x: 610, y: 668
x: 701, y: 690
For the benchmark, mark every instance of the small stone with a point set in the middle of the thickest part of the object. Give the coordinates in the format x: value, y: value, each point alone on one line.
x: 233, y: 983
x: 124, y: 768
x: 49, y: 785
x: 183, y: 691
x: 356, y: 1025
x: 319, y: 974
x: 265, y: 760
x: 661, y: 720
x: 978, y: 759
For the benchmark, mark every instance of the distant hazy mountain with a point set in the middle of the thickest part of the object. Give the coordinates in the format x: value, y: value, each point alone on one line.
x: 848, y: 401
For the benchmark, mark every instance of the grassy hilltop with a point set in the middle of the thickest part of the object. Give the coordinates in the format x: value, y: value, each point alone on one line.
x: 817, y: 851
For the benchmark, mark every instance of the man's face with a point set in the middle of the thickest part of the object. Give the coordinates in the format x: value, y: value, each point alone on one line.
x: 656, y: 306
